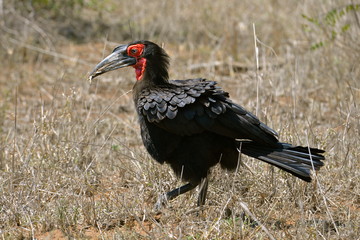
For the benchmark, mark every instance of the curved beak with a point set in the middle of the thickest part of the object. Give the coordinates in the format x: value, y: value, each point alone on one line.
x: 117, y: 59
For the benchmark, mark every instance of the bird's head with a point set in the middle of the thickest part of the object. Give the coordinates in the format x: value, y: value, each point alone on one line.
x: 149, y: 60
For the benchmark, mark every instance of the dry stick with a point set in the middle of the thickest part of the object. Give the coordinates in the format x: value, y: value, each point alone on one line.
x: 293, y: 90
x: 2, y: 9
x: 115, y: 99
x: 101, y: 148
x: 356, y: 16
x: 100, y: 116
x: 14, y: 143
x: 96, y: 85
x: 321, y: 189
x: 108, y: 107
x: 137, y: 219
x: 257, y: 70
x: 50, y: 53
x: 243, y: 205
x: 15, y: 126
x: 206, y: 234
x: 247, y: 211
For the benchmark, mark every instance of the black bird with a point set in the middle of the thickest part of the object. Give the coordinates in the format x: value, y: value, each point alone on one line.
x: 193, y: 125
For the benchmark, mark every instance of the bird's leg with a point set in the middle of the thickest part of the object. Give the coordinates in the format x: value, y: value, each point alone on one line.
x: 176, y: 192
x: 203, y: 191
x: 173, y: 194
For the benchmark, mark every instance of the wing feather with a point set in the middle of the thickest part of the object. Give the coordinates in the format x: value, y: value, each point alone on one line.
x: 192, y: 106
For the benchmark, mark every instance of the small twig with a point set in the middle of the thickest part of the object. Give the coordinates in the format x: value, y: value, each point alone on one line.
x: 242, y: 163
x: 257, y: 71
x: 50, y: 53
x: 205, y: 65
x: 102, y: 146
x: 247, y: 211
x: 101, y: 115
x: 321, y: 189
x: 2, y: 10
x: 355, y: 14
x: 15, y: 131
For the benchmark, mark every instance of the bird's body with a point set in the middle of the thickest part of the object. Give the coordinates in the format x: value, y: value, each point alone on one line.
x: 173, y: 120
x: 193, y: 125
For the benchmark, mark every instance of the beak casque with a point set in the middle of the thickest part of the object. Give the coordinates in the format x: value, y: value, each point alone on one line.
x: 117, y: 59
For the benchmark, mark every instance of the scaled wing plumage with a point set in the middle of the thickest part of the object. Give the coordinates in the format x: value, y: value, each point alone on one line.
x: 192, y: 106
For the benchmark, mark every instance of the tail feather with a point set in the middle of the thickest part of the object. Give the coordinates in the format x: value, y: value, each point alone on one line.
x: 299, y: 161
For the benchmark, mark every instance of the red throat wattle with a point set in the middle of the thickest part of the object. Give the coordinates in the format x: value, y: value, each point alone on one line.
x: 140, y: 68
x: 136, y: 51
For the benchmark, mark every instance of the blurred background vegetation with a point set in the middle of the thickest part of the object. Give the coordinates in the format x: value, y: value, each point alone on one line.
x: 42, y: 21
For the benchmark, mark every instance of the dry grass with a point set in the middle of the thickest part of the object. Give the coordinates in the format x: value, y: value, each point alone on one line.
x: 72, y: 162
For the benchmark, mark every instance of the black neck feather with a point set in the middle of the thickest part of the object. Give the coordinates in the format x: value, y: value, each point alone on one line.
x: 157, y: 63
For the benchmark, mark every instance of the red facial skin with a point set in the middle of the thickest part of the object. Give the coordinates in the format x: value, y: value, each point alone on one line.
x: 136, y: 51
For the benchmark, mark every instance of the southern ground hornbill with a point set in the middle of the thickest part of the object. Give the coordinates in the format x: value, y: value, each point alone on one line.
x: 193, y: 125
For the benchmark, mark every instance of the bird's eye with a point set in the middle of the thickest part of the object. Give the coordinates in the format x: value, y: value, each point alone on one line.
x: 135, y: 50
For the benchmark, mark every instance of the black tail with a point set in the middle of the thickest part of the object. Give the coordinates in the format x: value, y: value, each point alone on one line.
x: 299, y: 161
